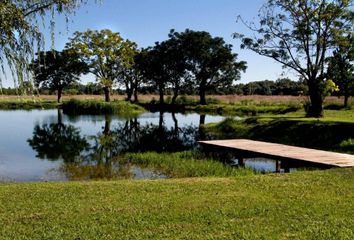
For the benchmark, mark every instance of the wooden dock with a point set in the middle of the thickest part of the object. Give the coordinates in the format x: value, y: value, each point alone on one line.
x: 245, y: 147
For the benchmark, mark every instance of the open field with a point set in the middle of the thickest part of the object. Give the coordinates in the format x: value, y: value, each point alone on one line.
x: 257, y: 99
x: 304, y: 205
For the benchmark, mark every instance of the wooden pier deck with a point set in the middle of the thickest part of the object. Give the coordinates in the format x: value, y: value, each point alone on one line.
x: 283, y: 152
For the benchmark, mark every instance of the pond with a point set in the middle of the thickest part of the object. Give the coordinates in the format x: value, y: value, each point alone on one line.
x: 47, y: 145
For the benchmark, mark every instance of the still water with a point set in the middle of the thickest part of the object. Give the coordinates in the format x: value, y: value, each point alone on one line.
x: 47, y: 145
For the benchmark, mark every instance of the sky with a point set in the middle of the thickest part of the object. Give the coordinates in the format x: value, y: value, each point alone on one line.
x: 148, y: 21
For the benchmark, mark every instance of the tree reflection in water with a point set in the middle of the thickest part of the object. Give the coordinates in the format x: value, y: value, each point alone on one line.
x: 97, y: 156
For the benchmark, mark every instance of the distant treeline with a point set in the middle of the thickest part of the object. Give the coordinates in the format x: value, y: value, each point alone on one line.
x: 282, y: 86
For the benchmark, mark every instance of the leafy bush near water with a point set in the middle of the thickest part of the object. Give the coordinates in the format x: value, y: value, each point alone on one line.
x: 185, y: 164
x: 74, y: 107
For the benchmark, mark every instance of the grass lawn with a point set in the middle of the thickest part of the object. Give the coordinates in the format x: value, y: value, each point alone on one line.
x: 304, y: 205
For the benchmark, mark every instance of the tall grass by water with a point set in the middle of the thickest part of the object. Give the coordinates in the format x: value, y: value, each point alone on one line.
x: 185, y: 164
x: 74, y: 107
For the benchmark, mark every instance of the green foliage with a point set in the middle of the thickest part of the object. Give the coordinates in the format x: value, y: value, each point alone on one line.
x: 304, y: 205
x: 57, y: 70
x: 185, y: 164
x: 299, y: 34
x: 105, y: 52
x: 20, y: 31
x: 241, y: 109
x: 211, y: 61
x: 57, y: 141
x: 341, y: 68
x: 74, y: 107
x: 191, y: 60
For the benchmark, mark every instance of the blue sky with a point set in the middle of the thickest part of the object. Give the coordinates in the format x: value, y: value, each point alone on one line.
x: 148, y: 21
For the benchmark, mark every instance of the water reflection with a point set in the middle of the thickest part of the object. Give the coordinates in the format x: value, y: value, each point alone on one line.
x: 96, y: 156
x: 58, y: 141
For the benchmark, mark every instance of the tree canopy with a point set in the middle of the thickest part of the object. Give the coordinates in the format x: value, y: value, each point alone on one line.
x: 57, y: 70
x: 341, y: 68
x: 194, y: 59
x: 211, y: 61
x: 105, y: 52
x: 300, y: 34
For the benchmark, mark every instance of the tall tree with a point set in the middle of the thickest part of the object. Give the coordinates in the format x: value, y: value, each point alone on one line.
x: 130, y: 75
x: 300, y: 34
x: 153, y: 68
x: 20, y: 34
x: 341, y: 68
x: 57, y: 70
x: 211, y: 61
x: 105, y: 52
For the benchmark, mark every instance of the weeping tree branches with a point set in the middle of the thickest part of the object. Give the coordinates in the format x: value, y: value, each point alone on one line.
x: 20, y: 33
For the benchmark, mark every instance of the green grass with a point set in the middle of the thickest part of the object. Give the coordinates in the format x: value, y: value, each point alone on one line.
x: 74, y: 107
x: 27, y: 104
x: 304, y: 205
x: 184, y: 164
x: 229, y: 109
x: 215, y: 106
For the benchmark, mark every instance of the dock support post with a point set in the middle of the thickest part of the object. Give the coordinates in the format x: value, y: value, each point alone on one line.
x: 277, y: 166
x: 241, y: 161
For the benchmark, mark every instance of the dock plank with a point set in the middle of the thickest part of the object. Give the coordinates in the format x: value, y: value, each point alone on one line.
x: 285, y: 152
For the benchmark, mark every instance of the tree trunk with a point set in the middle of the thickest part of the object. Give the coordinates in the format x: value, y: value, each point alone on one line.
x: 346, y: 96
x: 135, y: 89
x: 202, y: 93
x: 175, y: 121
x: 316, y: 100
x: 107, y: 94
x: 60, y: 90
x: 201, y: 119
x: 160, y: 121
x: 175, y: 95
x: 136, y: 95
x: 129, y: 95
x: 60, y: 117
x: 107, y: 125
x: 129, y: 91
x: 161, y: 92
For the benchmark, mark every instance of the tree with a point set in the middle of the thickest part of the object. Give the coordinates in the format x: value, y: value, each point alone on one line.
x: 130, y: 75
x: 105, y: 53
x: 57, y: 70
x: 341, y: 68
x: 211, y: 61
x: 300, y: 34
x: 165, y: 64
x: 153, y: 68
x: 19, y: 31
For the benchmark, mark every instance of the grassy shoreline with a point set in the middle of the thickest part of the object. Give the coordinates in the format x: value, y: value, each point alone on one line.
x: 303, y: 205
x: 184, y: 164
x: 220, y: 105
